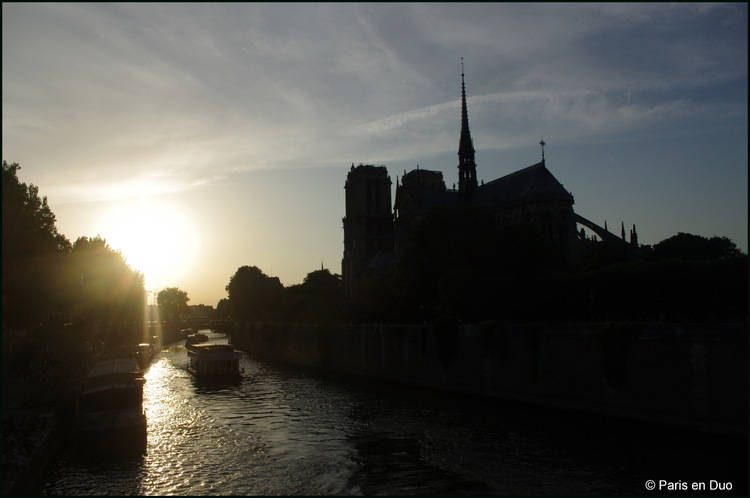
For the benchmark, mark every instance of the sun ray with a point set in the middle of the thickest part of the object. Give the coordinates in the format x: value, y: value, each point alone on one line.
x: 156, y: 238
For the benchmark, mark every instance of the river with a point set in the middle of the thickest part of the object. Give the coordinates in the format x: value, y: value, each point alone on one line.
x: 285, y: 431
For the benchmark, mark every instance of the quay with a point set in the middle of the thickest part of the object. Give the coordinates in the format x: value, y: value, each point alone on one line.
x: 35, y: 414
x: 684, y: 376
x: 39, y: 411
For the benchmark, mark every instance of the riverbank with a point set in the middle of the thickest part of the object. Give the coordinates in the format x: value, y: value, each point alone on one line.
x: 284, y: 431
x: 39, y: 386
x: 685, y: 376
x: 36, y: 411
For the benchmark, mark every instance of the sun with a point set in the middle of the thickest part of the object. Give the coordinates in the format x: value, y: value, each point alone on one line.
x: 156, y: 238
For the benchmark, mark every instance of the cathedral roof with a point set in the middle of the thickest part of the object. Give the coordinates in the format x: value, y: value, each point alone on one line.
x: 421, y: 189
x: 525, y: 185
x: 423, y: 198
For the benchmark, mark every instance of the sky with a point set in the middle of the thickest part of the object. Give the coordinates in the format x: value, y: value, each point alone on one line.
x: 197, y: 138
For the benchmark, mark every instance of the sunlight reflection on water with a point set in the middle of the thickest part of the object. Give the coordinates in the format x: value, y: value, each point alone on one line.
x: 291, y: 432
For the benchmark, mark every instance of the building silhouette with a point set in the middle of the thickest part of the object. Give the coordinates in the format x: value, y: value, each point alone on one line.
x: 368, y: 225
x: 532, y: 196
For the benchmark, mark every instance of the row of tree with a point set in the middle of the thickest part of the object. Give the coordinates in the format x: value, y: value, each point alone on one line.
x: 455, y: 263
x: 255, y: 296
x: 49, y: 281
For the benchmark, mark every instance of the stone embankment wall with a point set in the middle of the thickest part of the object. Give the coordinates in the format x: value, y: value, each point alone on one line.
x: 688, y: 376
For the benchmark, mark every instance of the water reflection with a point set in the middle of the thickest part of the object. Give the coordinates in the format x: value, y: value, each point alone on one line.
x: 281, y: 431
x: 179, y: 429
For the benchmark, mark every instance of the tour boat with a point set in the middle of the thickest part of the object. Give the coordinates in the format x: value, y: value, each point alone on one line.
x: 195, y: 338
x: 214, y: 361
x: 110, y: 402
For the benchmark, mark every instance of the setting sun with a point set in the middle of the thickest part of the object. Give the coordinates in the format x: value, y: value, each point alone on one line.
x: 156, y: 238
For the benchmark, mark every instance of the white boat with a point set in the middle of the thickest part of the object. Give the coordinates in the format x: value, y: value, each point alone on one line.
x: 110, y: 402
x: 214, y: 361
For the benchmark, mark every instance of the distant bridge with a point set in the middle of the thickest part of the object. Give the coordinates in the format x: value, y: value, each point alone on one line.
x: 203, y: 322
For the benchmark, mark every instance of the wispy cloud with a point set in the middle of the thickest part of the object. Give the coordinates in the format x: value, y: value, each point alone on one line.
x: 119, y: 189
x: 117, y: 91
x: 573, y: 114
x: 111, y: 101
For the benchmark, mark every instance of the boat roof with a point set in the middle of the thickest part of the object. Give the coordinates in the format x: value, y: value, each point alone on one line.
x: 208, y: 346
x: 115, y: 366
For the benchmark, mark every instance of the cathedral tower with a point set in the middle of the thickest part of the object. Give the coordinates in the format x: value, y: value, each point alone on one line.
x: 368, y: 224
x: 467, y: 167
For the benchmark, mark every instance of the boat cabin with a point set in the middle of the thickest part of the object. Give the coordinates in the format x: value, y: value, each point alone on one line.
x: 210, y: 360
x: 110, y: 401
x: 113, y: 384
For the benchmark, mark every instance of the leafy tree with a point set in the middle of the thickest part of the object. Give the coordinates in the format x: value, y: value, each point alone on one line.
x: 28, y: 221
x: 47, y: 281
x: 455, y: 261
x: 108, y: 295
x: 442, y: 242
x: 695, y: 247
x: 253, y: 295
x: 34, y: 255
x: 317, y: 299
x: 599, y: 253
x: 378, y: 299
x: 173, y: 302
x: 222, y: 309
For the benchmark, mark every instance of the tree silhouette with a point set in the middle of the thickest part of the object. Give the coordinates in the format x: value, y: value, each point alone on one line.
x: 108, y: 295
x: 695, y: 247
x: 34, y: 255
x: 456, y: 261
x: 173, y: 302
x: 317, y: 299
x: 47, y: 281
x: 253, y: 295
x: 222, y: 309
x: 28, y: 221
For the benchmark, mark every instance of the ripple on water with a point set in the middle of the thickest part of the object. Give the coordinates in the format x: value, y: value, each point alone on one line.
x: 280, y: 432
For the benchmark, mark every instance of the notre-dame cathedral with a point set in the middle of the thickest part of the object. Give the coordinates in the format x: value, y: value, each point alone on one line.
x: 373, y: 231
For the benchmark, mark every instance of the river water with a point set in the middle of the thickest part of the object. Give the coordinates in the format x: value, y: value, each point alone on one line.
x: 282, y: 431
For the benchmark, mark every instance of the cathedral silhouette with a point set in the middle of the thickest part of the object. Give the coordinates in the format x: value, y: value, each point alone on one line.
x: 532, y: 196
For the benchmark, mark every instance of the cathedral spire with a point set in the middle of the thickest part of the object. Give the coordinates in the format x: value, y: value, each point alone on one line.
x: 467, y: 168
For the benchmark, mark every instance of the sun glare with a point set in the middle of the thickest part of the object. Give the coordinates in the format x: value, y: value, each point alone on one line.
x: 156, y: 238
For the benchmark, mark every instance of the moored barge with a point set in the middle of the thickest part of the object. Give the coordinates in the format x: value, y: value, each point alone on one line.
x: 110, y: 402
